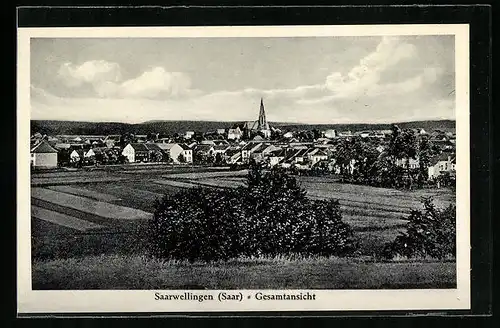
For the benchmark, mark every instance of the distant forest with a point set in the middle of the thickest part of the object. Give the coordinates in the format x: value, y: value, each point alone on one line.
x: 171, y: 127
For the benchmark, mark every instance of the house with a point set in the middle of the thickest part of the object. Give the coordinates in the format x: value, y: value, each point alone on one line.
x: 412, y: 163
x: 155, y: 153
x: 187, y: 153
x: 174, y: 150
x: 263, y: 151
x: 204, y: 150
x: 234, y: 134
x: 385, y: 132
x: 61, y: 146
x: 221, y: 131
x: 140, y: 138
x: 364, y: 134
x: 76, y: 155
x: 322, y: 141
x: 290, y: 158
x: 377, y: 135
x: 267, y: 149
x: 90, y: 153
x: 232, y: 155
x: 258, y: 138
x: 345, y: 134
x: 248, y: 149
x: 439, y: 164
x: 221, y: 142
x: 275, y: 157
x: 112, y: 137
x: 288, y: 135
x: 43, y: 155
x: 315, y: 155
x: 208, y: 142
x: 136, y: 152
x: 37, y: 136
x: 220, y: 149
x: 188, y: 134
x: 301, y: 156
x: 110, y: 143
x: 329, y: 134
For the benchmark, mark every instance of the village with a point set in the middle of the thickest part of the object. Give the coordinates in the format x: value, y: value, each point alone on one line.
x: 298, y: 151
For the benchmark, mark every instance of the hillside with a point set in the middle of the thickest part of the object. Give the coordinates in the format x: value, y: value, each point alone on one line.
x: 171, y: 127
x: 426, y: 125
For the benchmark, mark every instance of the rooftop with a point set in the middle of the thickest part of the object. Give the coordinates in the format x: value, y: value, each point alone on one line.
x: 43, y: 147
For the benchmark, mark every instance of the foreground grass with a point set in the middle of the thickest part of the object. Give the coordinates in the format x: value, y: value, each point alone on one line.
x: 141, y: 272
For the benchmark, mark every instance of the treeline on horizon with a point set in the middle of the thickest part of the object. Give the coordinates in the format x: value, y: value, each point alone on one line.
x: 50, y: 127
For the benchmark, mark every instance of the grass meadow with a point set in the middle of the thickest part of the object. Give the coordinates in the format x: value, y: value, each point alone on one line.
x: 142, y: 272
x: 87, y: 234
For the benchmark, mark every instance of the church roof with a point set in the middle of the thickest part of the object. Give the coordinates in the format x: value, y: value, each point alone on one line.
x: 261, y: 123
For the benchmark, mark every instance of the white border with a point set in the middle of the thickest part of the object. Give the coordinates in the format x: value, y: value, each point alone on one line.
x: 30, y: 301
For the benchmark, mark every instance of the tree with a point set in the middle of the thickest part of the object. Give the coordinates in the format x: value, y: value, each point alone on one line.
x: 430, y: 233
x: 219, y: 159
x: 196, y: 224
x: 122, y: 159
x: 181, y: 158
x: 316, y: 134
x: 276, y: 134
x: 125, y: 139
x: 156, y: 156
x: 270, y: 216
x: 403, y: 145
x: 63, y: 158
x: 152, y: 137
x: 425, y: 153
x: 198, y: 136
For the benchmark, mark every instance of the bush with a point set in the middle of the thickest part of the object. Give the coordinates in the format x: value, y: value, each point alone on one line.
x: 196, y: 224
x: 270, y: 216
x: 430, y: 233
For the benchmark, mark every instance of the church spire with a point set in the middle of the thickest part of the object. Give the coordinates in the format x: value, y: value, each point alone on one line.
x: 262, y: 117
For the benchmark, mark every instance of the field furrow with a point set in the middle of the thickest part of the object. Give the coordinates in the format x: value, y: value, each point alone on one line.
x: 87, y: 205
x: 37, y: 182
x: 63, y: 219
x: 85, y: 193
x: 204, y: 175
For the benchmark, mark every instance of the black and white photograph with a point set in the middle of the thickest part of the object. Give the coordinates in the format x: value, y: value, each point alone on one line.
x: 235, y: 167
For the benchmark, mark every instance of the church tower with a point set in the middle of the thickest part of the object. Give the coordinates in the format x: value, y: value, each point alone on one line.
x: 262, y: 124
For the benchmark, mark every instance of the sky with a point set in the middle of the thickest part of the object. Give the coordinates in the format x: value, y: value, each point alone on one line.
x: 322, y: 80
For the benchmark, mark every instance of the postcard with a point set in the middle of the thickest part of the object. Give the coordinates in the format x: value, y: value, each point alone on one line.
x: 233, y: 169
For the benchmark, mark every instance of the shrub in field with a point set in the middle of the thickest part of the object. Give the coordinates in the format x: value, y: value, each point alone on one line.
x: 270, y: 216
x: 196, y: 224
x: 329, y: 234
x: 280, y: 219
x: 430, y: 233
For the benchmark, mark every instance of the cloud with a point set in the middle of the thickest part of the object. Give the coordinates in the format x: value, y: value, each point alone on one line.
x: 106, y: 80
x: 155, y: 82
x: 364, y: 78
x: 240, y: 107
x: 94, y: 71
x: 400, y: 79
